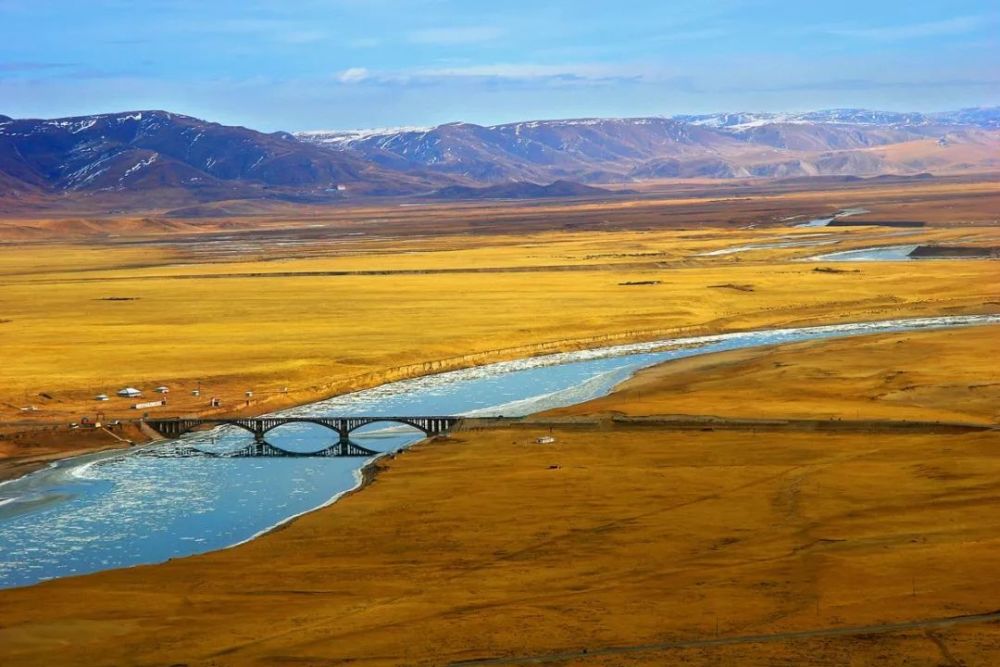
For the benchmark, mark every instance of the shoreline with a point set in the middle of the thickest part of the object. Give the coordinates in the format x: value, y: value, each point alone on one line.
x: 79, y: 402
x: 415, y: 572
x: 368, y: 471
x: 363, y: 476
x: 14, y: 467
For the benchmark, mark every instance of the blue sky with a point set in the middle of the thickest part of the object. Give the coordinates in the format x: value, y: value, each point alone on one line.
x: 311, y: 64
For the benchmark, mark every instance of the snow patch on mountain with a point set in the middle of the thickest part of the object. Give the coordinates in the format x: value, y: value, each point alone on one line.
x: 142, y: 164
x: 338, y: 137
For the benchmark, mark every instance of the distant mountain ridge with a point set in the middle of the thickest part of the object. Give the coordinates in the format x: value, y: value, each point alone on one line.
x: 724, y: 145
x: 146, y: 151
x: 983, y: 117
x: 153, y: 159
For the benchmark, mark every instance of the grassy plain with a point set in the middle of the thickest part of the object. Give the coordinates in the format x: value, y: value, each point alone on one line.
x: 486, y: 545
x: 306, y: 303
x: 315, y: 327
x: 932, y: 376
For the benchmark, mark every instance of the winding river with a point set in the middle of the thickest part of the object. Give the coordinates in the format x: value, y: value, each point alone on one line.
x: 145, y: 505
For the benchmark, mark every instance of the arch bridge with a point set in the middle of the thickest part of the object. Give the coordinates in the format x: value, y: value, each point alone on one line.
x: 260, y: 426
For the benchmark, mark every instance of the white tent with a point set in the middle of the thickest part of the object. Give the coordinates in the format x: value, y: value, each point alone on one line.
x: 129, y: 392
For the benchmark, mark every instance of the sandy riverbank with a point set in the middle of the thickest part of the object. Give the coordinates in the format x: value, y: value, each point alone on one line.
x: 487, y: 545
x: 24, y: 450
x: 28, y: 449
x: 944, y: 375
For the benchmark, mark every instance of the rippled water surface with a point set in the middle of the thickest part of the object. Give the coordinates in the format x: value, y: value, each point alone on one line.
x: 123, y: 508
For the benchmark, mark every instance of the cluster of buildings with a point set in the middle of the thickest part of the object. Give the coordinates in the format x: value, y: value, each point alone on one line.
x: 132, y: 392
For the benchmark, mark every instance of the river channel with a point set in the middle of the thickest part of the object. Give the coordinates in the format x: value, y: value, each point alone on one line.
x: 146, y: 505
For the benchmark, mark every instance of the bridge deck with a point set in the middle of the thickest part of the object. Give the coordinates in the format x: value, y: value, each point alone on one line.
x: 259, y: 426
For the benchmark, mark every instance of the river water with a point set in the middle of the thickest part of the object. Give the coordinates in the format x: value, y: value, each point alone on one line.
x: 895, y: 253
x: 145, y: 505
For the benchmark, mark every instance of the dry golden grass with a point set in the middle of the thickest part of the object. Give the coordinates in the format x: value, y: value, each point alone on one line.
x: 486, y: 545
x: 931, y: 376
x: 298, y: 323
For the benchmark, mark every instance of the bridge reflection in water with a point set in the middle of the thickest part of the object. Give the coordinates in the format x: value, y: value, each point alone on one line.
x: 265, y: 449
x: 174, y: 428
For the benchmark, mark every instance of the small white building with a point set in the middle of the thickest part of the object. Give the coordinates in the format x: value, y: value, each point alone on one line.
x: 545, y: 440
x: 129, y: 392
x: 101, y: 397
x: 162, y: 390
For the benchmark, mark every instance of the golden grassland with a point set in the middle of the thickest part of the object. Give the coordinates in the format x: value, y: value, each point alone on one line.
x: 302, y: 308
x: 486, y: 545
x: 944, y: 375
x: 73, y: 328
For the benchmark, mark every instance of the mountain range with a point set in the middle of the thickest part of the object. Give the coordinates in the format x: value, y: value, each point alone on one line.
x: 151, y: 159
x: 850, y: 142
x: 176, y: 157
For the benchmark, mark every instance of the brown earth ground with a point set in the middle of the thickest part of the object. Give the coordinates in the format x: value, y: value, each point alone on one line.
x: 669, y: 203
x: 613, y: 546
x: 300, y: 304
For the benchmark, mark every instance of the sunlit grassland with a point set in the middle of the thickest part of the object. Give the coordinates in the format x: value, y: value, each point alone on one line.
x: 178, y: 321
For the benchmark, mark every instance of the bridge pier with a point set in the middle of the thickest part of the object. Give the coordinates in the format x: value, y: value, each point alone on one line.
x: 341, y: 447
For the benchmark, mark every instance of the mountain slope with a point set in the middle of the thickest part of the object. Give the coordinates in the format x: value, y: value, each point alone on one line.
x: 155, y: 150
x: 727, y: 145
x: 586, y: 149
x: 157, y: 159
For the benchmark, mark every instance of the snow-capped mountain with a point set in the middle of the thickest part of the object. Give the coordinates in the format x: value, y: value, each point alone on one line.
x: 143, y: 151
x: 592, y: 149
x: 987, y: 118
x: 169, y: 158
x: 983, y: 118
x: 828, y: 142
x: 341, y: 137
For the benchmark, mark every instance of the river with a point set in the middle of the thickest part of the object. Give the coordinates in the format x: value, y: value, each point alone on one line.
x: 144, y: 505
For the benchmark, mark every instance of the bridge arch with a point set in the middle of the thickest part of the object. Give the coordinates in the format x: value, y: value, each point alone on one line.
x: 269, y: 425
x: 246, y: 426
x: 359, y: 422
x: 258, y: 426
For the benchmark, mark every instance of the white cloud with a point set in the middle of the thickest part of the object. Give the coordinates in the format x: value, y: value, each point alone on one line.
x: 353, y: 75
x: 455, y: 35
